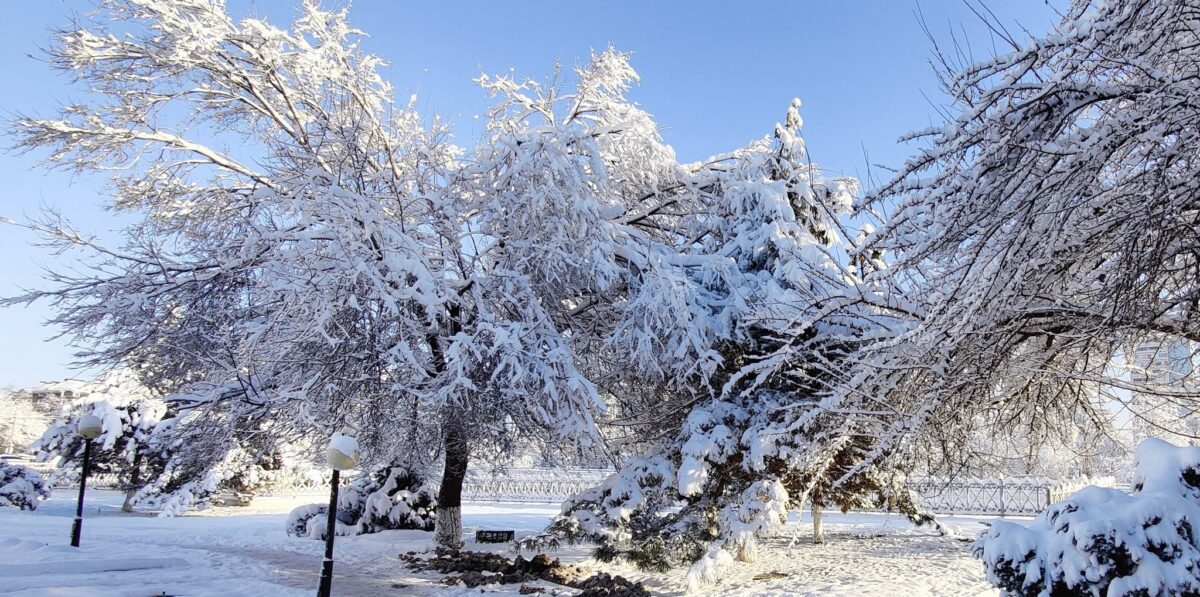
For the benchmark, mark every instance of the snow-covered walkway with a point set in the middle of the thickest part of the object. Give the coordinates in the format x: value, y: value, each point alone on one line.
x: 244, y: 551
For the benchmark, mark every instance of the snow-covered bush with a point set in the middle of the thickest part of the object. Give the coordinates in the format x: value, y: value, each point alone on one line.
x: 252, y: 476
x: 309, y: 521
x: 393, y: 498
x: 252, y: 467
x: 1102, y: 541
x: 21, y: 486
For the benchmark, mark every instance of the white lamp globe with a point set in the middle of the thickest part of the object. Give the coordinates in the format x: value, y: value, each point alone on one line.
x: 343, y: 452
x: 89, y: 427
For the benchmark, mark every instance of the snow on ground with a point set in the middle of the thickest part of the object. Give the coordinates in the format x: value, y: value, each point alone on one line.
x: 245, y: 551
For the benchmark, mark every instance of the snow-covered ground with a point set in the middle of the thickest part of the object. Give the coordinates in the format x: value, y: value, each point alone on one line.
x: 244, y: 551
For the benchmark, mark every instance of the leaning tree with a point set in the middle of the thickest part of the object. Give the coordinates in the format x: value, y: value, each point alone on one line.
x: 725, y: 452
x: 1046, y: 237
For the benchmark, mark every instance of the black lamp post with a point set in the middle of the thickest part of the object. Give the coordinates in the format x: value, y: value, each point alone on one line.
x: 342, y: 455
x: 89, y: 427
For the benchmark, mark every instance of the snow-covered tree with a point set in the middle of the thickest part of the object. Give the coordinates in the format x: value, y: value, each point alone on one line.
x: 129, y: 415
x: 780, y: 310
x: 348, y: 266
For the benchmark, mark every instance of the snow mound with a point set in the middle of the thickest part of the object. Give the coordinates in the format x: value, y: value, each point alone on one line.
x: 1160, y: 467
x: 1101, y: 541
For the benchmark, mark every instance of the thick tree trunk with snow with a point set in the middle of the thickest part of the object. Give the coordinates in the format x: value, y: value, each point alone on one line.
x: 449, y: 518
x: 449, y: 527
x: 818, y: 531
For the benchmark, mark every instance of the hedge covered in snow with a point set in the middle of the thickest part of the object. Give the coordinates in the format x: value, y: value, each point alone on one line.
x: 1102, y: 541
x: 393, y: 498
x: 21, y: 486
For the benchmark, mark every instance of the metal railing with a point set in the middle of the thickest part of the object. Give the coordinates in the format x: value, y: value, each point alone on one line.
x: 1000, y: 496
x: 532, y: 485
x: 997, y: 496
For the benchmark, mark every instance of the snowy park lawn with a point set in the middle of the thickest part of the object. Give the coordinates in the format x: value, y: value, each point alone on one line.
x: 245, y: 551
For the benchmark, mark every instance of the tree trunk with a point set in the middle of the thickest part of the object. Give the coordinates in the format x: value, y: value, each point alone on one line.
x: 135, y: 480
x: 449, y: 511
x: 818, y: 532
x: 448, y: 532
x: 748, y: 551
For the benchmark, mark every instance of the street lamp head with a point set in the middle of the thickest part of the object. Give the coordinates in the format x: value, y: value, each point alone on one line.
x: 89, y: 427
x: 343, y: 452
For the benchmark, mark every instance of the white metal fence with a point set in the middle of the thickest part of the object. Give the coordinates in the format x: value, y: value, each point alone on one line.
x: 987, y: 496
x: 997, y: 496
x: 534, y: 485
x: 983, y: 496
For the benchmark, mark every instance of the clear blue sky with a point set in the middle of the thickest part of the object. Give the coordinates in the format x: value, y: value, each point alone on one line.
x: 714, y: 74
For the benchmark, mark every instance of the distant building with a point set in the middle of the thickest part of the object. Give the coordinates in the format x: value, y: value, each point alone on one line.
x: 50, y: 396
x: 20, y: 422
x: 1167, y: 362
x: 1167, y: 366
x: 67, y: 388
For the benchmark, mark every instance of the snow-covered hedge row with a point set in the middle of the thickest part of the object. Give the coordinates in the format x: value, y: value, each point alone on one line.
x: 1102, y: 541
x: 21, y: 486
x: 393, y: 498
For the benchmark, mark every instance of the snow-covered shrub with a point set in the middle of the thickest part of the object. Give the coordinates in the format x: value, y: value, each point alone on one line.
x: 297, y: 524
x: 392, y: 498
x: 310, y: 521
x: 251, y: 476
x: 1102, y: 541
x: 190, y: 480
x: 21, y: 486
x: 395, y: 498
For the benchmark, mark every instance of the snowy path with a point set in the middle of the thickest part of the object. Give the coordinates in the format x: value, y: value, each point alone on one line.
x: 244, y: 551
